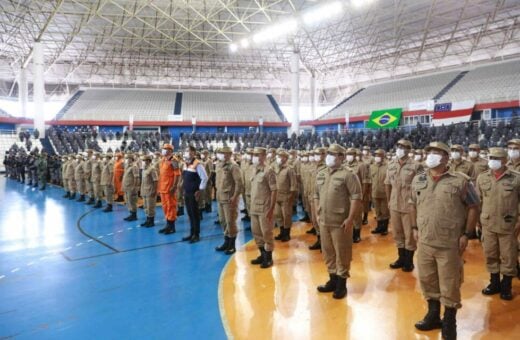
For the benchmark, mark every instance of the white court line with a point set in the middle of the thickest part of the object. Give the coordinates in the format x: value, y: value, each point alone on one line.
x: 120, y: 231
x: 30, y: 263
x: 43, y: 258
x: 2, y: 276
x: 15, y: 270
x: 78, y: 244
x: 129, y: 228
x: 90, y: 240
x: 110, y: 234
x: 67, y: 249
x: 100, y: 236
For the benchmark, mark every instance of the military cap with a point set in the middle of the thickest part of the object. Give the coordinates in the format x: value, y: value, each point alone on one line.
x: 438, y: 146
x: 283, y: 153
x: 498, y: 153
x: 259, y: 150
x: 119, y: 154
x: 320, y: 150
x: 103, y: 155
x: 129, y: 155
x: 418, y: 152
x: 205, y: 151
x: 158, y: 153
x: 405, y: 143
x: 147, y: 157
x: 474, y: 146
x: 366, y: 148
x: 89, y: 150
x: 336, y: 149
x: 79, y: 157
x: 249, y: 150
x: 225, y: 149
x: 293, y: 151
x: 168, y: 147
x: 514, y: 141
x: 457, y: 147
x: 271, y: 150
x: 379, y: 152
x: 351, y: 151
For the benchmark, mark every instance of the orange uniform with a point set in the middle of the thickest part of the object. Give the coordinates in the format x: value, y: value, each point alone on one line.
x: 119, y: 171
x: 168, y: 177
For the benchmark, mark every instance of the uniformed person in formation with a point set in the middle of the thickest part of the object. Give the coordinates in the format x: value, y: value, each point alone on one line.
x: 287, y: 191
x: 295, y: 163
x: 263, y: 202
x: 107, y: 181
x: 444, y: 208
x: 399, y: 176
x: 229, y: 187
x: 513, y: 153
x: 79, y: 177
x: 499, y: 190
x: 378, y: 173
x: 459, y: 164
x: 304, y: 174
x: 87, y: 170
x: 271, y: 157
x: 64, y: 180
x: 70, y: 176
x: 208, y: 165
x: 131, y: 184
x: 169, y: 176
x: 41, y: 166
x: 338, y: 199
x: 418, y: 157
x: 247, y: 174
x: 95, y: 179
x: 480, y: 165
x: 149, y: 181
x: 317, y: 165
x: 363, y: 172
x: 119, y: 170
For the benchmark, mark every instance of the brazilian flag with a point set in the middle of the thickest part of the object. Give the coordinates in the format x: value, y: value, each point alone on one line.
x: 389, y: 118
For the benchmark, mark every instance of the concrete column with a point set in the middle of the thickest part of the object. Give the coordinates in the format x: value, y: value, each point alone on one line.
x: 38, y: 88
x: 23, y: 92
x: 313, y: 96
x: 295, y: 92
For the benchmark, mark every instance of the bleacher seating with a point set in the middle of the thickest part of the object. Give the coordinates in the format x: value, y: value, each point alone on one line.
x: 8, y: 139
x: 228, y: 106
x: 121, y: 104
x: 493, y: 83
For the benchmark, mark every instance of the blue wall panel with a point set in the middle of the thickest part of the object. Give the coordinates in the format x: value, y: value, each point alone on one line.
x: 7, y: 126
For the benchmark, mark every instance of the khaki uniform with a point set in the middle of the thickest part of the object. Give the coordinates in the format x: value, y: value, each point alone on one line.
x: 463, y: 166
x: 131, y: 184
x: 334, y: 191
x: 79, y: 177
x: 363, y: 173
x: 286, y: 189
x: 400, y: 178
x: 480, y: 165
x: 441, y: 219
x: 107, y: 180
x: 65, y: 180
x: 263, y: 183
x: 205, y: 197
x: 316, y: 168
x: 305, y: 174
x: 149, y: 189
x: 500, y: 199
x: 378, y: 174
x: 69, y: 176
x: 87, y: 170
x: 514, y: 166
x: 297, y: 166
x: 228, y: 184
x: 247, y: 175
x: 95, y: 179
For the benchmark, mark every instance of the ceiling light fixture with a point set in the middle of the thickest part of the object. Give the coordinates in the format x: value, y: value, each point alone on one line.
x: 323, y: 12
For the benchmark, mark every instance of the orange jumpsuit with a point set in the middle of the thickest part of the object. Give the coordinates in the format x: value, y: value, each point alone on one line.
x: 168, y: 175
x: 119, y: 171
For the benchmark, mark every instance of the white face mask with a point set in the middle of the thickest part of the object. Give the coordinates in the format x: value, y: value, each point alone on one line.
x: 455, y: 155
x: 186, y: 155
x: 317, y: 158
x: 472, y: 154
x: 94, y: 158
x: 269, y: 156
x: 365, y: 152
x: 433, y: 160
x: 255, y: 160
x: 305, y: 159
x: 220, y: 157
x: 394, y: 158
x: 494, y: 164
x: 358, y: 158
x: 203, y: 156
x: 377, y: 159
x: 350, y: 158
x: 143, y: 164
x: 330, y: 160
x: 411, y: 155
x: 484, y: 155
x: 513, y: 154
x: 278, y: 161
x: 417, y: 157
x: 127, y: 162
x: 400, y: 153
x: 164, y: 152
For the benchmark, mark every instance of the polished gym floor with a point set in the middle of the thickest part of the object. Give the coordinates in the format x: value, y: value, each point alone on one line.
x: 68, y: 271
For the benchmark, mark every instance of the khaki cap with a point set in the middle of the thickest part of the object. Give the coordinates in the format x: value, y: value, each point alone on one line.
x: 79, y: 157
x: 351, y: 151
x: 147, y: 157
x: 474, y: 146
x: 498, y: 152
x: 457, y: 147
x: 336, y: 149
x: 514, y: 141
x: 259, y: 150
x: 366, y: 148
x: 418, y: 151
x: 379, y: 152
x: 168, y: 147
x: 272, y: 150
x: 249, y: 150
x: 320, y: 151
x: 225, y: 149
x: 283, y: 153
x: 438, y: 146
x: 405, y: 143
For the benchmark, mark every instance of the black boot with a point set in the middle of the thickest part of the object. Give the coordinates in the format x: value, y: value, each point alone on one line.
x: 195, y: 239
x: 208, y: 208
x: 494, y: 285
x: 505, y: 288
x: 330, y: 286
x: 187, y: 238
x: 231, y: 246
x: 131, y: 217
x: 341, y: 288
x: 311, y: 231
x: 280, y: 235
x: 67, y: 195
x: 305, y: 218
x: 408, y: 261
x: 81, y: 198
x: 180, y: 210
x: 90, y: 201
x: 246, y: 218
x: 146, y: 224
x: 260, y: 258
x: 432, y: 319
x: 449, y: 324
x: 243, y: 211
x: 97, y: 205
x: 365, y: 219
x: 166, y: 227
x: 267, y: 261
x: 73, y: 196
x: 170, y: 229
x: 384, y: 224
x: 400, y: 261
x: 120, y: 199
x: 224, y: 245
x: 379, y: 228
x: 108, y: 208
x: 316, y: 245
x: 286, y: 237
x: 356, y: 235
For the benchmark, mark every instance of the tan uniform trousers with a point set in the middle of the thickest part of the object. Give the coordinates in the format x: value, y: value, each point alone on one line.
x: 80, y: 187
x: 366, y: 205
x: 65, y: 184
x: 97, y: 191
x: 402, y: 230
x: 358, y: 219
x: 440, y: 274
x: 500, y: 252
x: 88, y: 187
x: 262, y: 231
x: 314, y: 215
x: 248, y: 202
x: 381, y: 208
x: 109, y: 193
x: 131, y: 200
x: 72, y: 185
x: 228, y: 214
x: 336, y: 245
x: 150, y: 203
x: 283, y: 212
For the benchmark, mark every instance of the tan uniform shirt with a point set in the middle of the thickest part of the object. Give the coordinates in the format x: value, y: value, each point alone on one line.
x: 79, y: 172
x: 335, y: 188
x: 286, y: 182
x: 95, y: 176
x: 149, y: 182
x: 514, y: 166
x: 464, y: 166
x: 316, y: 168
x: 228, y: 181
x: 378, y: 174
x: 248, y: 174
x: 87, y: 169
x: 400, y: 178
x: 500, y: 199
x: 70, y: 170
x: 263, y: 183
x: 480, y: 165
x: 131, y: 181
x: 107, y: 173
